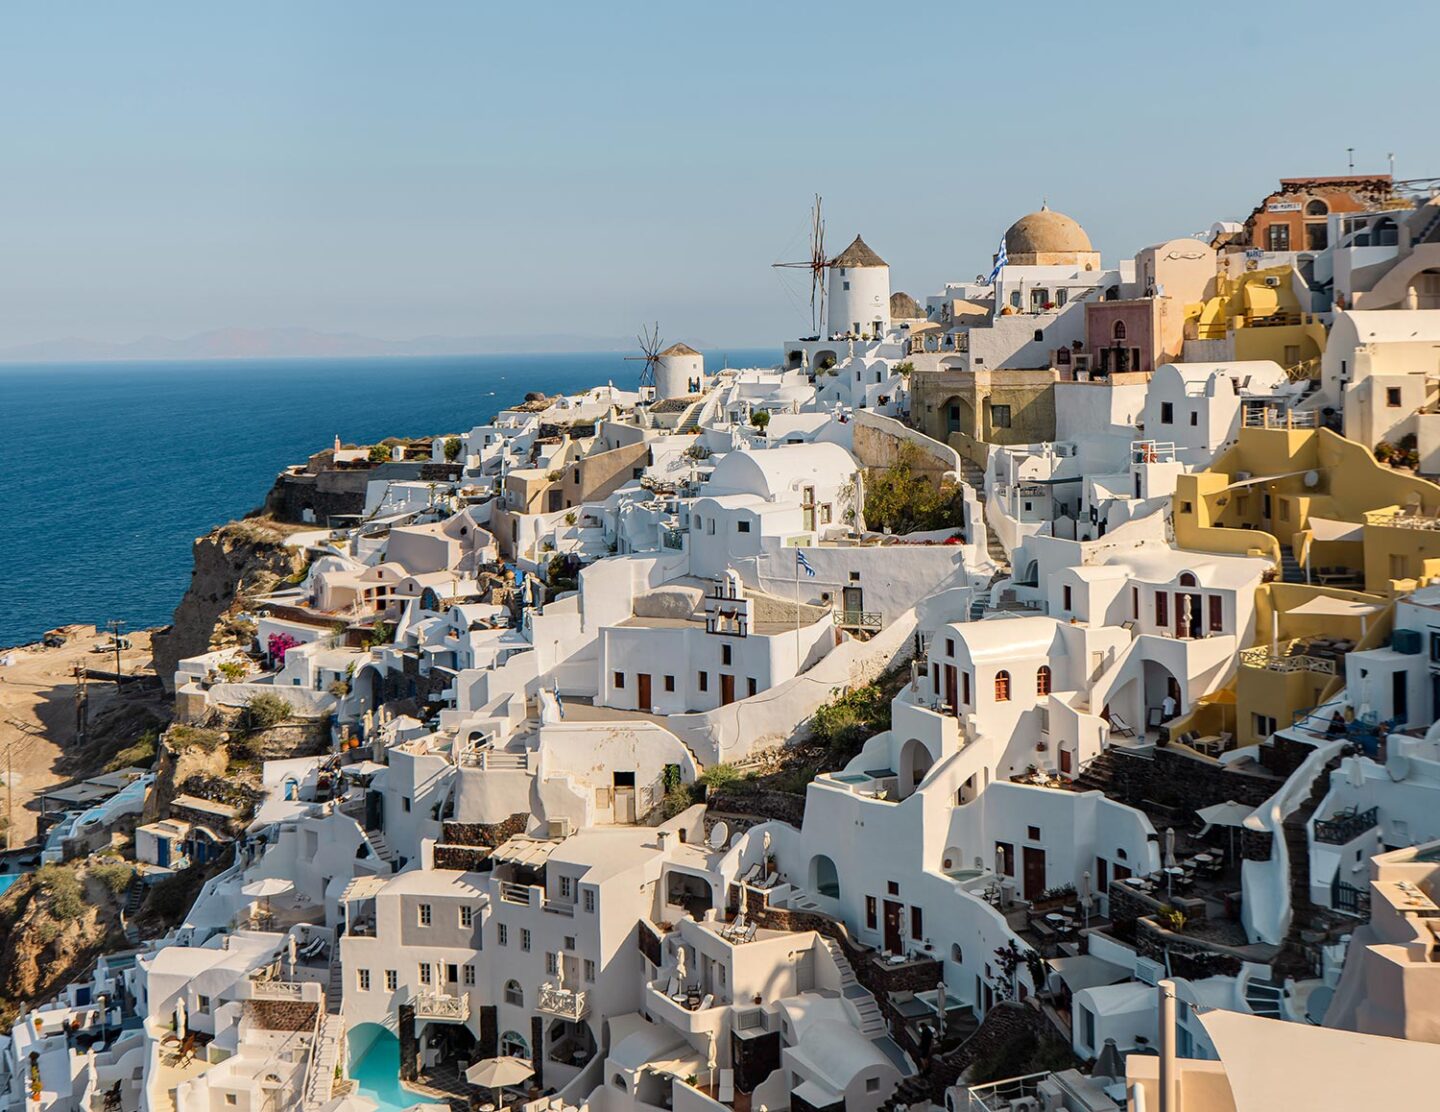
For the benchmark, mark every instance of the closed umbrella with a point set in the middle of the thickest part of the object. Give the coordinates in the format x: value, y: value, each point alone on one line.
x: 1109, y: 1064
x: 1169, y: 858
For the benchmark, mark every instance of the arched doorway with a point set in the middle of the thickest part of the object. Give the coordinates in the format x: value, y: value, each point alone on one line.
x: 915, y: 762
x: 824, y: 877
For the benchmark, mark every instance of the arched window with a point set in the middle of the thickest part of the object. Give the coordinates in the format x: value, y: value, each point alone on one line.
x: 1317, y: 208
x: 1042, y: 680
x: 1119, y: 330
x: 957, y: 955
x: 1188, y: 580
x: 514, y: 1045
x: 1002, y: 687
x: 514, y: 994
x: 826, y: 878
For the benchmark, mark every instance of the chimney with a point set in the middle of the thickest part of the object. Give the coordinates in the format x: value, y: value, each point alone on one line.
x: 1168, y: 1078
x: 663, y: 838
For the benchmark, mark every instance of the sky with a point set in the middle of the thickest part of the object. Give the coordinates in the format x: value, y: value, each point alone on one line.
x: 429, y: 168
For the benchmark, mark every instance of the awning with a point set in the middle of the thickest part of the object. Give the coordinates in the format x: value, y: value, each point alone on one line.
x: 682, y: 1065
x: 527, y: 852
x: 1087, y: 971
x: 1324, y: 606
x: 1342, y: 1069
x: 1323, y: 529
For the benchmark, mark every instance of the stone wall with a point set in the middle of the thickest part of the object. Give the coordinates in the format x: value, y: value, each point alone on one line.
x: 779, y: 806
x: 281, y: 1015
x: 485, y: 834
x: 1183, y: 783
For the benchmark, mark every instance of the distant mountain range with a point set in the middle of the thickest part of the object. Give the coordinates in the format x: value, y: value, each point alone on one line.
x: 299, y: 343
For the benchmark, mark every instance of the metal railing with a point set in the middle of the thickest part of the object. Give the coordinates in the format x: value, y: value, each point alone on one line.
x: 859, y: 619
x: 1348, y: 899
x: 1152, y: 451
x: 277, y: 990
x: 672, y: 538
x: 562, y: 1002
x: 1274, y: 662
x: 1269, y: 417
x: 1339, y: 829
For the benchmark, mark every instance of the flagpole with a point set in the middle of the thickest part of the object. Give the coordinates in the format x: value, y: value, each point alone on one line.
x: 797, y: 612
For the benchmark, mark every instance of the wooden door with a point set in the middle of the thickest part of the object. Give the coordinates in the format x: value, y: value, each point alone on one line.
x: 1034, y: 863
x: 727, y: 689
x: 894, y: 938
x: 854, y: 602
x: 951, y: 687
x: 1065, y: 761
x: 642, y: 697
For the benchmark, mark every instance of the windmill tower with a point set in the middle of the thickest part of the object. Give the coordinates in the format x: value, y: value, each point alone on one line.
x: 649, y: 341
x: 816, y: 265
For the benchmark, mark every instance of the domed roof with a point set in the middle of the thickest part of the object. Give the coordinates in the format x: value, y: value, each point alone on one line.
x: 1045, y: 232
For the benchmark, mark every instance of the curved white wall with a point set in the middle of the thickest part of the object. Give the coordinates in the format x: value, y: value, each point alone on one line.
x: 865, y: 301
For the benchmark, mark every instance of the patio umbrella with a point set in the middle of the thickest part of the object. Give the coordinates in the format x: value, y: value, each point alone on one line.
x: 1084, y: 894
x: 180, y: 1017
x: 1169, y: 858
x: 680, y: 965
x: 1228, y: 813
x: 267, y: 887
x: 495, y: 1073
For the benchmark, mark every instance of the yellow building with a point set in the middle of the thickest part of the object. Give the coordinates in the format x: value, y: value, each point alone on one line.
x: 1259, y: 315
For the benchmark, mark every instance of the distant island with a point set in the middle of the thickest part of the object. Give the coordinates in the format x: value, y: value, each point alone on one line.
x: 298, y: 343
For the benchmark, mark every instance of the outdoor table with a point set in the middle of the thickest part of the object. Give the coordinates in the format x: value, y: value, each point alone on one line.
x: 1203, y: 858
x: 1054, y: 917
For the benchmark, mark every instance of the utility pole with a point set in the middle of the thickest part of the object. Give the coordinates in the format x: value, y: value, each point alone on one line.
x: 9, y: 798
x: 82, y: 705
x: 114, y: 625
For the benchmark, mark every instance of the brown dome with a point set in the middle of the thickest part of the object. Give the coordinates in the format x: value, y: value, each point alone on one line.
x: 1046, y: 233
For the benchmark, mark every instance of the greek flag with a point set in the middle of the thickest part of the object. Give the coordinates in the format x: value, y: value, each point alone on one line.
x: 1001, y: 258
x: 803, y: 564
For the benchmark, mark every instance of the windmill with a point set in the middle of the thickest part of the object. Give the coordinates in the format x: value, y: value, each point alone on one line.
x: 816, y: 265
x: 649, y: 341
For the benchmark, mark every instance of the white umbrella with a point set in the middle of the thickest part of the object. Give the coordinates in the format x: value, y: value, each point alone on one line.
x: 492, y: 1073
x: 1228, y: 813
x: 1169, y: 858
x: 180, y: 1017
x: 680, y: 964
x: 266, y: 887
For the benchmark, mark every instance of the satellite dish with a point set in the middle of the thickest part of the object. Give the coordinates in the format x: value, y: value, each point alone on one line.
x: 1312, y: 479
x: 719, y: 834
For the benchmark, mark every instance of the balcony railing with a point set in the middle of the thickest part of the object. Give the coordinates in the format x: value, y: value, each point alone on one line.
x: 441, y: 1006
x: 1339, y: 829
x: 859, y: 619
x: 562, y: 1002
x: 1152, y: 451
x: 672, y: 538
x: 277, y: 990
x: 1271, y: 662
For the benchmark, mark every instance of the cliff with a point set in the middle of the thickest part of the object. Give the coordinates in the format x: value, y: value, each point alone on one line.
x: 233, y: 564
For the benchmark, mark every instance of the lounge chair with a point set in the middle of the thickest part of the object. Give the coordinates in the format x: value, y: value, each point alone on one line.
x: 725, y: 1093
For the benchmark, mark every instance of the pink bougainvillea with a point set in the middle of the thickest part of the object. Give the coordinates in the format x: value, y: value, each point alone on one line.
x: 279, y: 644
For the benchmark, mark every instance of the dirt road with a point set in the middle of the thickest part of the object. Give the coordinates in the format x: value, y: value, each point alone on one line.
x: 38, y: 712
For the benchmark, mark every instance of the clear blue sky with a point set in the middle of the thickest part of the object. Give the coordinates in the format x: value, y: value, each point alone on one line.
x: 401, y: 169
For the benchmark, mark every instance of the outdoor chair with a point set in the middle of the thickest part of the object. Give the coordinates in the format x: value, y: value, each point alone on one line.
x: 725, y: 1094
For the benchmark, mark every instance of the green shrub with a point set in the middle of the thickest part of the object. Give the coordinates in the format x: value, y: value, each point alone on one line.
x: 264, y: 711
x: 115, y: 875
x: 845, y: 723
x: 453, y: 447
x: 141, y: 753
x: 232, y: 671
x: 719, y: 776
x: 903, y: 500
x: 379, y: 453
x: 62, y: 885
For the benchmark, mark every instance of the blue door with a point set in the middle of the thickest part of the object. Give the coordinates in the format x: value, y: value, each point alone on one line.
x: 162, y: 852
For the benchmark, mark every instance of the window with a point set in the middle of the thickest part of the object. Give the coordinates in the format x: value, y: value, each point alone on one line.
x: 1062, y: 295
x: 1167, y: 413
x: 469, y: 974
x: 202, y: 1003
x: 870, y: 912
x: 1135, y: 603
x: 957, y: 955
x: 392, y: 980
x: 588, y: 900
x: 503, y: 933
x: 1039, y: 335
x: 750, y: 685
x: 1187, y: 579
x: 724, y: 654
x: 917, y: 923
x: 1277, y: 237
x: 1119, y: 331
x: 742, y: 527
x: 424, y: 915
x: 1392, y: 397
x: 965, y: 686
x: 1002, y: 686
x: 467, y: 916
x: 552, y: 963
x: 1033, y: 833
x: 1042, y: 680
x: 514, y: 994
x: 525, y: 939
x: 405, y: 804
x: 704, y: 681
x: 950, y: 646
x: 892, y: 887
x: 845, y: 285
x: 1067, y: 598
x: 1162, y: 608
x: 589, y: 971
x: 1015, y: 299
x: 567, y: 888
x: 1217, y: 613
x: 1000, y: 416
x: 619, y: 681
x: 872, y: 1084
x: 452, y: 973
x: 669, y: 683
x: 1316, y: 208
x: 1005, y: 858
x: 1435, y: 646
x: 424, y: 972
x: 1264, y: 725
x: 1087, y: 1026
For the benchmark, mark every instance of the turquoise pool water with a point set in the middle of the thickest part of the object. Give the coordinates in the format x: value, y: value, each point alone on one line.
x: 8, y: 879
x: 376, y: 1074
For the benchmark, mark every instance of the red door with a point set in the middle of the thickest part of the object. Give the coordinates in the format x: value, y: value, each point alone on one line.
x: 894, y: 942
x: 727, y: 689
x: 1034, y: 861
x: 642, y: 697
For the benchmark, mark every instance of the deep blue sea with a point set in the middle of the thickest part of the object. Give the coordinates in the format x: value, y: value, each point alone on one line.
x: 111, y: 470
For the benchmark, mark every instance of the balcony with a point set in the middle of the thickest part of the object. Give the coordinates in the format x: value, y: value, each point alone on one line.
x: 1345, y: 826
x: 1275, y: 662
x: 865, y: 620
x: 563, y: 1003
x: 441, y: 1006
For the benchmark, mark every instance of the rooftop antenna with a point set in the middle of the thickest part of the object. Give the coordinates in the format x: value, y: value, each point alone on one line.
x: 1351, y: 152
x: 815, y: 264
x: 649, y: 341
x: 1391, y: 157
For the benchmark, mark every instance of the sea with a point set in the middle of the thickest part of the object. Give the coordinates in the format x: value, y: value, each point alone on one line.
x: 111, y: 470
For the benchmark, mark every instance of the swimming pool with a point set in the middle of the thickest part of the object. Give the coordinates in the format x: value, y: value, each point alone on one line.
x: 376, y: 1074
x: 7, y: 880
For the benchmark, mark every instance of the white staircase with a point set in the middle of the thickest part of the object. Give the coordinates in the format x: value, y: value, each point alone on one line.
x: 381, y: 848
x: 335, y: 987
x: 872, y: 1020
x: 1265, y: 998
x: 320, y: 1081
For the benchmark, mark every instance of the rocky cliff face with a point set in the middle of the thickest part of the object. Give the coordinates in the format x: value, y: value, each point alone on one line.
x: 233, y: 564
